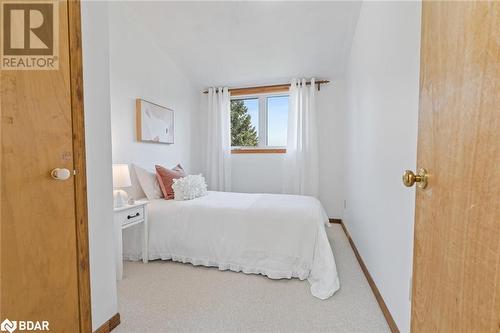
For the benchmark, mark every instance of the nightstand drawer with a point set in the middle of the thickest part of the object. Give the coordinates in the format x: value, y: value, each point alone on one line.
x: 131, y: 215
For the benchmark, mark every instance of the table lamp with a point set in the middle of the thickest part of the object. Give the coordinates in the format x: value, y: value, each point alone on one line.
x: 121, y: 179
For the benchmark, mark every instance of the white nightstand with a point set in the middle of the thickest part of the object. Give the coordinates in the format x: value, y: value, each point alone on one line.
x: 128, y: 216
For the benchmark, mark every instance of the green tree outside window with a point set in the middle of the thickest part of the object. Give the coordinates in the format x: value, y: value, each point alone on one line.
x: 243, y: 134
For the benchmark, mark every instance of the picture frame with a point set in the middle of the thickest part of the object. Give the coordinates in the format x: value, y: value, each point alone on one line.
x: 154, y: 123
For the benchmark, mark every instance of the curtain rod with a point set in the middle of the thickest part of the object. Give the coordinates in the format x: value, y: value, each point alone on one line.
x: 268, y: 89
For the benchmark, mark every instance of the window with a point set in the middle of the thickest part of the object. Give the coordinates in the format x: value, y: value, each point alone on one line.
x: 259, y: 121
x: 277, y: 120
x: 245, y: 122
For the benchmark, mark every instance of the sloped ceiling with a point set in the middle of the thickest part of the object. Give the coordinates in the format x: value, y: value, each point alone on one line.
x: 247, y: 43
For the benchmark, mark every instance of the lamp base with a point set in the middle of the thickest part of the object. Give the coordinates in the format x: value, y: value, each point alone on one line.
x: 120, y: 198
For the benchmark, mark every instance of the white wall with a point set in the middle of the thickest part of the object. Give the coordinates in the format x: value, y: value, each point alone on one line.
x: 257, y: 173
x: 98, y: 150
x: 331, y: 104
x: 263, y: 172
x: 138, y: 68
x: 383, y: 86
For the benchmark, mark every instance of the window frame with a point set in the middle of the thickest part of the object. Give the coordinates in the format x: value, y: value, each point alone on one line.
x: 262, y: 147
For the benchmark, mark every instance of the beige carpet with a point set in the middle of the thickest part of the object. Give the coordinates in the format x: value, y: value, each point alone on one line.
x: 174, y: 297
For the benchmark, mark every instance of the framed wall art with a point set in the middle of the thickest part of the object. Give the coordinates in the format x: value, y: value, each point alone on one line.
x: 155, y: 123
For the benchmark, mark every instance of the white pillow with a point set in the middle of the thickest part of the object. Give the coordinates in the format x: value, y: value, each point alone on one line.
x: 149, y: 183
x: 189, y: 187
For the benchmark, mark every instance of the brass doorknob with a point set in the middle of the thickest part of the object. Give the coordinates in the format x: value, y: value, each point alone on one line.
x: 409, y: 178
x: 60, y: 174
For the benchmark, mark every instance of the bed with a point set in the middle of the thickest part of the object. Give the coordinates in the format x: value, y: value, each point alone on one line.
x: 279, y: 236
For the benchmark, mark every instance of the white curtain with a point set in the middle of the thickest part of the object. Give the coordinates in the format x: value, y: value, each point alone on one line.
x: 218, y: 140
x: 301, y: 159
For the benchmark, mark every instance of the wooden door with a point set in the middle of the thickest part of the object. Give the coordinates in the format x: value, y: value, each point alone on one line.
x: 456, y: 271
x: 44, y: 251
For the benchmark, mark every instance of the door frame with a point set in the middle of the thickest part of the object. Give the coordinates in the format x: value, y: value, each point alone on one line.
x: 80, y: 177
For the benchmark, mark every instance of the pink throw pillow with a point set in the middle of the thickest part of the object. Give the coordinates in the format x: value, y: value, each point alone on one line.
x: 166, y: 179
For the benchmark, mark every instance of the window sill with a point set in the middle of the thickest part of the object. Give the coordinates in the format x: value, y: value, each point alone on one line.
x: 258, y: 151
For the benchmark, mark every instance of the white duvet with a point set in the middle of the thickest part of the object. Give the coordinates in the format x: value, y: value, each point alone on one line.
x: 280, y: 236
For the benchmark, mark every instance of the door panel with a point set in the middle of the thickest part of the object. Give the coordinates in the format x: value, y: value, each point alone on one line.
x: 39, y: 278
x: 456, y: 274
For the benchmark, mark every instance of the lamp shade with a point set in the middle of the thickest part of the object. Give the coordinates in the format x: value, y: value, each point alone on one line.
x: 121, y: 176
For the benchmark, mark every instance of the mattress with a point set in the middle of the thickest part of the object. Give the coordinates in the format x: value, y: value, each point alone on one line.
x: 279, y: 236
